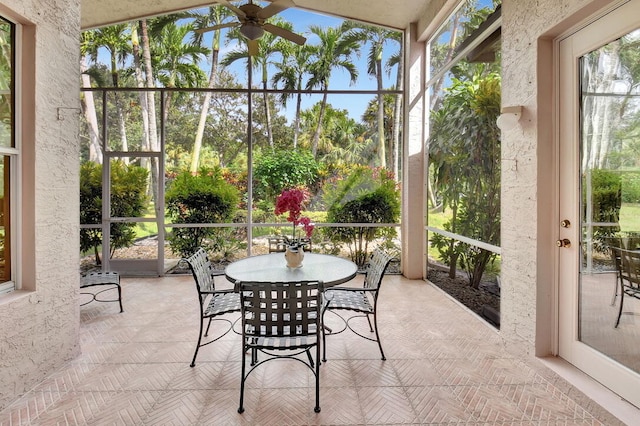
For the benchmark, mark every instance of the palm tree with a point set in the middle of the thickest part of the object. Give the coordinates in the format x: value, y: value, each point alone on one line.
x: 216, y: 15
x: 176, y: 60
x: 115, y: 40
x: 291, y: 73
x: 376, y: 37
x: 87, y: 48
x: 349, y: 145
x: 333, y: 52
x: 152, y: 132
x: 397, y: 59
x: 371, y: 116
x: 140, y: 82
x: 268, y: 45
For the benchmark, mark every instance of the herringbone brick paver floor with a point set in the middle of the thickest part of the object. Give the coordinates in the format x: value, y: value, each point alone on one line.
x: 444, y: 366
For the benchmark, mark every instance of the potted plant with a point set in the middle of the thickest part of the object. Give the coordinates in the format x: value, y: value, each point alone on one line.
x: 293, y: 201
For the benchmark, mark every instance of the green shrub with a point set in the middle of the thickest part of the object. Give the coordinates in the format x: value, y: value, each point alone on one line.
x: 606, y: 200
x: 464, y: 152
x: 631, y: 187
x: 203, y: 198
x: 128, y: 199
x: 280, y: 169
x: 366, y: 196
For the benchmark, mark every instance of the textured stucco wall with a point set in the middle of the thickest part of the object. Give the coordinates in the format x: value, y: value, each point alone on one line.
x: 39, y: 324
x: 528, y: 183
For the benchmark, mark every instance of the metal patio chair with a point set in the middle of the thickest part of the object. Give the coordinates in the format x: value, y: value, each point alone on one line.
x: 361, y: 300
x: 630, y: 277
x: 280, y: 320
x: 279, y: 244
x: 213, y: 303
x: 108, y: 280
x: 614, y: 244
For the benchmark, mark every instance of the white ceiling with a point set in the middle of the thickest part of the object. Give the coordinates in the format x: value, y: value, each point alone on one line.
x: 390, y: 13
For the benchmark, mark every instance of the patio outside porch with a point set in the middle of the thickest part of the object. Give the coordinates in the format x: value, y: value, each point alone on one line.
x: 444, y: 365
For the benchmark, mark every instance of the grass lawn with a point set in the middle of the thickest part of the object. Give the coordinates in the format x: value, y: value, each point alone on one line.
x: 630, y: 218
x: 436, y: 220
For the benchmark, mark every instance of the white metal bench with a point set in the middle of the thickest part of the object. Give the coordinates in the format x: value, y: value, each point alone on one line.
x: 109, y: 279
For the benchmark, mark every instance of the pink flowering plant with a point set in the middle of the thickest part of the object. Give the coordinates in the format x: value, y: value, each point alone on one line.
x: 293, y: 201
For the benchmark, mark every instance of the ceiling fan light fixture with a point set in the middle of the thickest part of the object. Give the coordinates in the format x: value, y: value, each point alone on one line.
x: 251, y: 31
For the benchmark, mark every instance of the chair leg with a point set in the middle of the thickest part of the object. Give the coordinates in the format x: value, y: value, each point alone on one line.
x: 317, y: 407
x: 324, y: 337
x: 375, y: 323
x: 120, y: 298
x: 615, y: 288
x: 206, y: 333
x: 620, y: 310
x: 195, y: 354
x: 369, y: 320
x: 254, y: 357
x: 310, y: 358
x: 241, y: 406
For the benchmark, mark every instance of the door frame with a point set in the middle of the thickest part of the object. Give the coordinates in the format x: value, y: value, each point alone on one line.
x: 569, y: 47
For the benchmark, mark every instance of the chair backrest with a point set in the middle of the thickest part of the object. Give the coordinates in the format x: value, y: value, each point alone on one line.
x: 630, y: 271
x: 376, y: 268
x: 614, y: 244
x: 279, y: 244
x: 276, y: 245
x: 280, y: 309
x: 202, y: 271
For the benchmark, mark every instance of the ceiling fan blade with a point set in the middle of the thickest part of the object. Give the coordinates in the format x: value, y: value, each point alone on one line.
x: 284, y: 33
x: 252, y: 46
x: 235, y: 9
x: 217, y: 27
x: 275, y: 7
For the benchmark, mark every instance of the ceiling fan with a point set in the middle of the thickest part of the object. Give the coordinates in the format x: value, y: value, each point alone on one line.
x: 251, y: 20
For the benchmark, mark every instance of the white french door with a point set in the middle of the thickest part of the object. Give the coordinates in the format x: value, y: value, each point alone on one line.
x: 599, y: 167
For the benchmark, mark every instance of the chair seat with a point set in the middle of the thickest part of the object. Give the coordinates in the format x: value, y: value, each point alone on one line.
x: 283, y: 343
x: 353, y: 300
x: 221, y: 303
x: 633, y: 292
x: 109, y: 279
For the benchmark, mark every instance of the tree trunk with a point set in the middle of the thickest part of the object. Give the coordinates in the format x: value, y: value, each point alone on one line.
x: 397, y: 115
x: 452, y: 45
x: 453, y: 261
x: 316, y: 134
x: 142, y: 96
x: 197, y: 144
x: 119, y: 110
x: 296, y: 124
x: 89, y: 111
x: 382, y: 152
x: 153, y: 135
x: 267, y: 109
x: 121, y: 124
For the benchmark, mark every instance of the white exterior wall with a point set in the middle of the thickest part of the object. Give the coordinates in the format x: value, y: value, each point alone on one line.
x: 39, y: 324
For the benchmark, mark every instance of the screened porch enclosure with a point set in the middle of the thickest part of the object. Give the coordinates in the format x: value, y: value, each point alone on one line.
x: 140, y: 218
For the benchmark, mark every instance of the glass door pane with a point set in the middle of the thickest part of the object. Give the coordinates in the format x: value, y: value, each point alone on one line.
x: 610, y: 194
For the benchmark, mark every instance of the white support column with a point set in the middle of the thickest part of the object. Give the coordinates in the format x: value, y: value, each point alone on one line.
x: 413, y: 184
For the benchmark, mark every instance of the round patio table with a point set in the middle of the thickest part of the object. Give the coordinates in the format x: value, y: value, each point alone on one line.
x: 331, y: 270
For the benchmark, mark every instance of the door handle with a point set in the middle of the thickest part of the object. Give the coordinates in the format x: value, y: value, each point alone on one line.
x: 563, y: 243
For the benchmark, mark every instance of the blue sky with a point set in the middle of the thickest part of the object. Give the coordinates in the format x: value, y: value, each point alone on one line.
x: 355, y: 104
x: 301, y: 20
